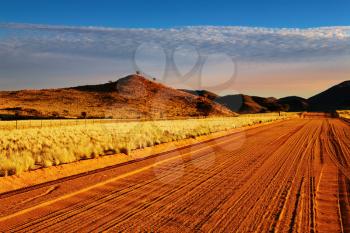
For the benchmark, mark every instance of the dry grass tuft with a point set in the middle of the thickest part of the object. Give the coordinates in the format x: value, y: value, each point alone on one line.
x: 344, y: 114
x: 25, y: 149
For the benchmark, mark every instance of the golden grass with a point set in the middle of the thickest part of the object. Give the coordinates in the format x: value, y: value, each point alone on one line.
x: 26, y: 124
x: 344, y: 114
x: 26, y: 149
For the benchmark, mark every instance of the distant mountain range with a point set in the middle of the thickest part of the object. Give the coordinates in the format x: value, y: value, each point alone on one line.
x: 135, y: 96
x: 334, y: 98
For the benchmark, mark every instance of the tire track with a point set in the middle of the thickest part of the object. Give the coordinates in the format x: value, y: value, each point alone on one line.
x: 276, y: 181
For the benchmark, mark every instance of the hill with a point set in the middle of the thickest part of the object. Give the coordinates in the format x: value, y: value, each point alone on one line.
x: 294, y: 103
x: 251, y: 104
x: 203, y: 93
x: 336, y: 97
x: 270, y: 104
x: 240, y: 103
x: 137, y: 97
x: 130, y: 97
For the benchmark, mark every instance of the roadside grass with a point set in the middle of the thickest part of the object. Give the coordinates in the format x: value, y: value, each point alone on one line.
x: 344, y: 114
x: 31, y: 148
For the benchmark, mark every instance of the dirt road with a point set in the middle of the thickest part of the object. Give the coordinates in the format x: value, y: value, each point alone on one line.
x: 291, y: 176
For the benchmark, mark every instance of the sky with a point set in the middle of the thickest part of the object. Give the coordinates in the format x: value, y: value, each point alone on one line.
x: 268, y: 48
x: 166, y: 13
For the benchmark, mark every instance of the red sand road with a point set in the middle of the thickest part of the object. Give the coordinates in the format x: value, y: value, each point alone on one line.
x: 290, y: 176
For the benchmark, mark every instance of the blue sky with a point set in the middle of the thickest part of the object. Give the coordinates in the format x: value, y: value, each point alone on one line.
x: 267, y: 48
x: 165, y: 13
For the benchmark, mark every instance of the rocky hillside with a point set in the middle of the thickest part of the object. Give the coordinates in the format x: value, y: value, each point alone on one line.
x: 130, y: 97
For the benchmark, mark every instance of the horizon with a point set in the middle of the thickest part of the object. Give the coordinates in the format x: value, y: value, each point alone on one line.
x: 265, y: 49
x: 151, y: 78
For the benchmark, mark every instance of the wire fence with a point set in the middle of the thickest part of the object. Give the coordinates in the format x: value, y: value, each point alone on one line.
x: 44, y: 123
x: 27, y: 124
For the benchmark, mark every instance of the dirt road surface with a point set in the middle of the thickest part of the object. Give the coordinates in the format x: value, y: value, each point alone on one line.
x: 291, y: 176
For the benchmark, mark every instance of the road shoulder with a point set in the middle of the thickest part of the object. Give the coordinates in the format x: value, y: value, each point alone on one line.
x: 44, y: 175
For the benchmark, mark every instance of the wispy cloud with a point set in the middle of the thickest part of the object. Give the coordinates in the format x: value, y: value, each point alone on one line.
x: 22, y: 44
x: 240, y: 42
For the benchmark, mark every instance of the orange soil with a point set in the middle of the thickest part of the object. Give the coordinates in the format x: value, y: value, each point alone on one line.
x: 291, y: 176
x: 52, y: 173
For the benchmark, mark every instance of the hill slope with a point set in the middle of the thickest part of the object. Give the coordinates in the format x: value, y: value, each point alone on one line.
x: 336, y: 97
x: 137, y: 97
x: 240, y: 103
x: 294, y: 103
x: 203, y: 93
x: 251, y: 104
x: 129, y: 97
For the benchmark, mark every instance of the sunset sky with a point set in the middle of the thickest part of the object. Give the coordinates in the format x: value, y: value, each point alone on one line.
x: 267, y: 48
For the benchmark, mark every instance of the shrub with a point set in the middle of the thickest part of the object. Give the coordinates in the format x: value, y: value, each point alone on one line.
x: 22, y: 149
